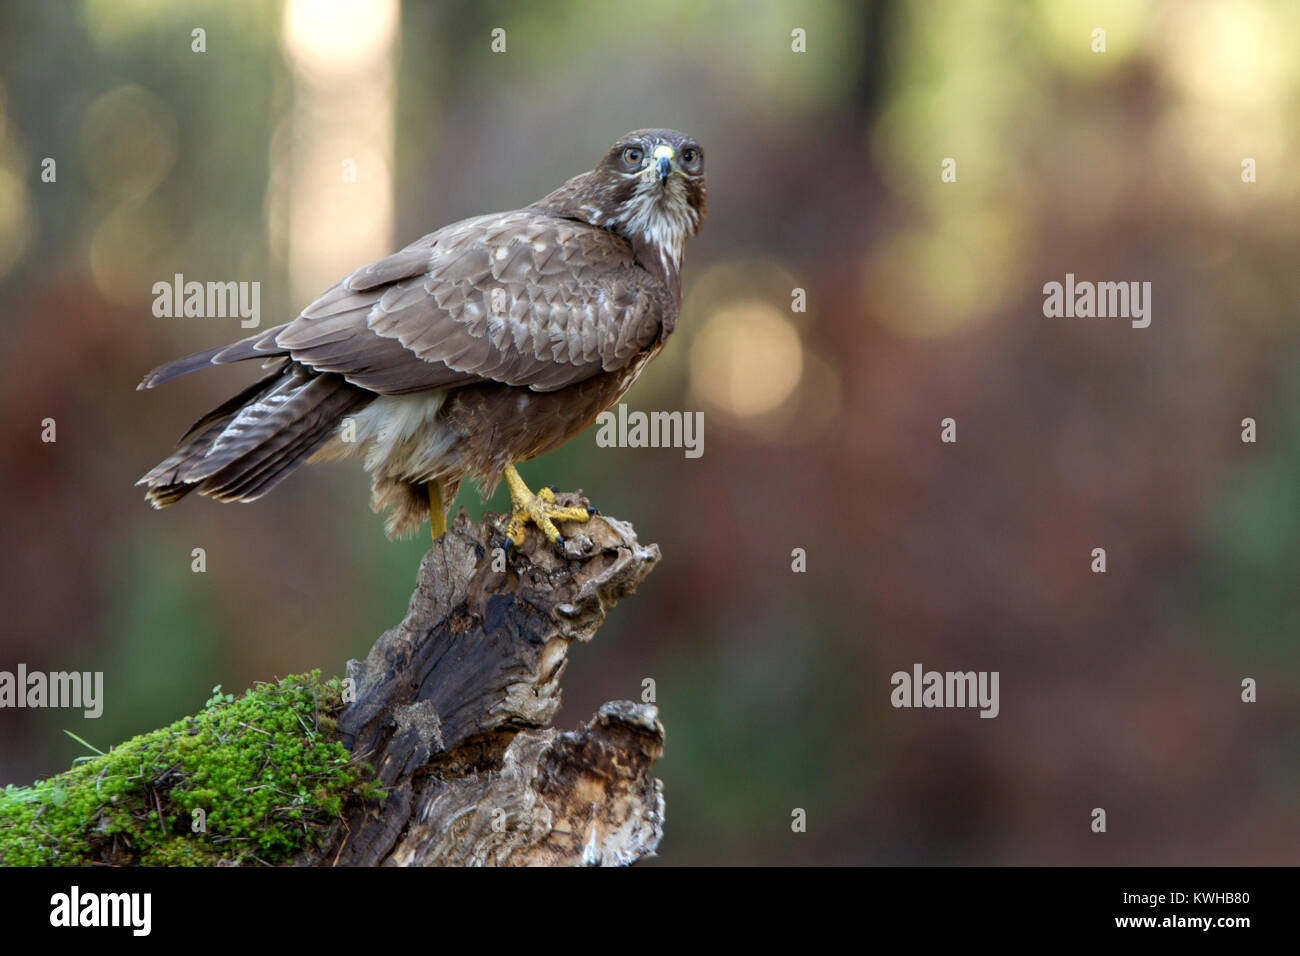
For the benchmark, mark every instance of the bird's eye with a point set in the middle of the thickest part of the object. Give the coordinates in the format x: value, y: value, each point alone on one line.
x: 689, y: 156
x: 633, y: 156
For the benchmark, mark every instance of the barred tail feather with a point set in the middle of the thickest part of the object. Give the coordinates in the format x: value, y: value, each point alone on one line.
x: 257, y: 472
x: 244, y: 448
x: 164, y: 481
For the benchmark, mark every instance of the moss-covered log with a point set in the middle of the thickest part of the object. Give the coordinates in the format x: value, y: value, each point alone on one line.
x: 435, y: 750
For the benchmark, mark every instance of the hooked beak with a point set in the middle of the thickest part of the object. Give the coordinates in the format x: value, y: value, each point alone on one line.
x: 664, y: 162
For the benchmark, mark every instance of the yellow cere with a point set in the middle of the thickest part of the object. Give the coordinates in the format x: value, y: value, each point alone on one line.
x: 663, y: 149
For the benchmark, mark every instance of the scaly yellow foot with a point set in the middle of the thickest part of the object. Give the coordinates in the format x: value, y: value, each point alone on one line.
x: 437, y: 513
x: 539, y: 508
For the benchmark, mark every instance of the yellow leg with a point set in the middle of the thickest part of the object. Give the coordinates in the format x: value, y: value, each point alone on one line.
x: 539, y: 508
x: 437, y: 513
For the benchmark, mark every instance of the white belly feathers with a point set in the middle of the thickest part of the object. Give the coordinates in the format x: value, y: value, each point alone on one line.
x: 399, y: 435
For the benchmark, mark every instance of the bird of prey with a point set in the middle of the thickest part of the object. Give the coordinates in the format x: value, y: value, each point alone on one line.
x: 486, y: 343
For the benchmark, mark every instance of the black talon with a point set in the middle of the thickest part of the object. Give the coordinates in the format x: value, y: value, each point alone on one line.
x: 508, y: 546
x: 592, y: 511
x: 551, y: 488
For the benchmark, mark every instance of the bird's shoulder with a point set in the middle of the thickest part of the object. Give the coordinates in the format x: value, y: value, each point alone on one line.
x: 524, y: 297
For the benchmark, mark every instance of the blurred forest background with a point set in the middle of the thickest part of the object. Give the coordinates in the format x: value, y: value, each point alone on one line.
x: 1118, y: 690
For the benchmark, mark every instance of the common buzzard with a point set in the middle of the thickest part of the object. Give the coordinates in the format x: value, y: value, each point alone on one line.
x: 488, y: 342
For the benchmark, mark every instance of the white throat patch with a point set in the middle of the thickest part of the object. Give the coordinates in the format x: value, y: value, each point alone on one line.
x: 662, y: 215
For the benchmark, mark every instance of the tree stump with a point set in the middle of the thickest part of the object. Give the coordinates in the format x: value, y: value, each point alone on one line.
x: 452, y: 711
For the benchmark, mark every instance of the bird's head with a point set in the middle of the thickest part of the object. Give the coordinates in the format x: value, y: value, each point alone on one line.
x: 648, y: 188
x: 653, y: 184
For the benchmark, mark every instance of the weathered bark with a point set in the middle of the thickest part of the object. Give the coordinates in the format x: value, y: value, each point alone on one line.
x: 453, y: 705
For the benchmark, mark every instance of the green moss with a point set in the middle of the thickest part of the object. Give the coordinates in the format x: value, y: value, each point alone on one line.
x: 263, y: 768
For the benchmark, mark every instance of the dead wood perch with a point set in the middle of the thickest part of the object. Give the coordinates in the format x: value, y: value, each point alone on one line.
x: 450, y: 709
x: 453, y: 705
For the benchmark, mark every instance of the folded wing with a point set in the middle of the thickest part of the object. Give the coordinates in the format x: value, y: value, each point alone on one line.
x: 521, y: 298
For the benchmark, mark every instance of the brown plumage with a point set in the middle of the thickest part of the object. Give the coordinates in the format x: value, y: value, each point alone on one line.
x: 488, y: 342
